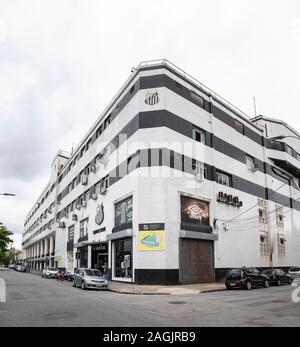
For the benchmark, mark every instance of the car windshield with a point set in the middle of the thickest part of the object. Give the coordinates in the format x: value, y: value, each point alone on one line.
x: 294, y: 269
x: 93, y: 273
x: 51, y: 269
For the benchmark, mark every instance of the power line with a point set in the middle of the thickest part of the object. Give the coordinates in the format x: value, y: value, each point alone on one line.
x: 249, y: 209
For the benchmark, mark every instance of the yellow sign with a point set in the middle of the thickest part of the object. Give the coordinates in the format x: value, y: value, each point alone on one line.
x: 152, y: 240
x: 59, y: 259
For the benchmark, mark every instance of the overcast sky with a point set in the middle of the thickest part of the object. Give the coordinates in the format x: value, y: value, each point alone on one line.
x: 62, y: 61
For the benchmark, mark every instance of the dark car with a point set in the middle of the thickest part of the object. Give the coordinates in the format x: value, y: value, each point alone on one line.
x: 246, y: 278
x: 277, y: 277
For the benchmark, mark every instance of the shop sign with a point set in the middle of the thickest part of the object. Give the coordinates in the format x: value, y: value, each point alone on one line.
x: 152, y: 240
x: 194, y: 211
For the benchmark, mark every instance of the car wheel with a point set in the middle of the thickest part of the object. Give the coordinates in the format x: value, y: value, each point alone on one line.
x: 248, y: 285
x: 82, y: 285
x: 73, y: 284
x: 278, y: 283
x: 266, y: 284
x: 228, y: 287
x: 290, y: 281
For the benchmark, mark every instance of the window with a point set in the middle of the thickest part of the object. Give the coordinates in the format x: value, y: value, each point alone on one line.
x: 264, y: 246
x: 250, y: 162
x: 107, y: 121
x: 224, y: 179
x: 123, y: 258
x: 281, y: 245
x: 87, y: 195
x: 123, y: 212
x: 289, y: 150
x: 83, y: 228
x: 99, y: 131
x: 279, y: 217
x: 239, y: 126
x: 97, y: 188
x: 88, y: 145
x: 132, y: 89
x: 197, y: 99
x: 199, y: 135
x: 262, y: 213
x: 71, y: 233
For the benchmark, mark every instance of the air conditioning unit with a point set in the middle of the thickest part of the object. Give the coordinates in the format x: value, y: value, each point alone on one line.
x: 93, y: 168
x: 78, y: 207
x: 221, y: 197
x: 62, y: 225
x: 74, y: 217
x: 45, y: 216
x: 236, y: 201
x: 229, y: 199
x: 84, y: 203
x: 199, y: 172
x: 49, y: 210
x: 49, y: 227
x: 84, y: 180
x: 94, y: 196
x: 103, y: 190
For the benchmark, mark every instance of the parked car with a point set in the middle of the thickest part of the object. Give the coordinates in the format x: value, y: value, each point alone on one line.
x: 246, y: 278
x: 89, y: 278
x: 277, y: 277
x: 49, y: 272
x: 20, y: 268
x: 294, y: 272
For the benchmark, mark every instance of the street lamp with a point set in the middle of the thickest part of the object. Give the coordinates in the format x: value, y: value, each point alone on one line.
x: 7, y: 194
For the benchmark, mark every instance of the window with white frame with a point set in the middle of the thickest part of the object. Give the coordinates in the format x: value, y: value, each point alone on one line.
x: 279, y: 217
x: 250, y: 162
x: 199, y: 135
x: 224, y: 179
x: 264, y: 245
x: 281, y: 244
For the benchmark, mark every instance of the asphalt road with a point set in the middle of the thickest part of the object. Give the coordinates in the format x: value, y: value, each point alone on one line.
x: 33, y: 301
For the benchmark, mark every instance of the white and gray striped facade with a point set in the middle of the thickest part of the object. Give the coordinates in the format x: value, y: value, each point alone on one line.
x: 165, y: 146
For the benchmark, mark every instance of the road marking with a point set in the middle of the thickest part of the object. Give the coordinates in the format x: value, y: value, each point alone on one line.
x: 2, y: 312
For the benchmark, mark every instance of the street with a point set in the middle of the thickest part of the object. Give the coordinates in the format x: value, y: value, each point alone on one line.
x: 33, y: 301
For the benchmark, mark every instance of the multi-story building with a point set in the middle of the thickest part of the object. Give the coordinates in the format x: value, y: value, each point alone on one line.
x: 172, y: 184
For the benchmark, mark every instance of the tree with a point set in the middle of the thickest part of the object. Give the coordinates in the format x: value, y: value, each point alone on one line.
x: 4, y: 243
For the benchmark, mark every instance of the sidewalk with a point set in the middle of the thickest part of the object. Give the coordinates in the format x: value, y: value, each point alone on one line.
x: 188, y: 289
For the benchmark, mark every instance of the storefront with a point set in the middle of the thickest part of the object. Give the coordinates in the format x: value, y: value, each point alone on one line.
x: 122, y: 260
x: 99, y: 256
x: 196, y: 244
x: 83, y: 257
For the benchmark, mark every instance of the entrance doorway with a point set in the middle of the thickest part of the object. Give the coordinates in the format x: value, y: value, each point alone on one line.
x: 197, y: 261
x: 99, y: 256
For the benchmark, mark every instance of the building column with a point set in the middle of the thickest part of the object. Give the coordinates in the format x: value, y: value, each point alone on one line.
x: 89, y: 256
x: 51, y: 245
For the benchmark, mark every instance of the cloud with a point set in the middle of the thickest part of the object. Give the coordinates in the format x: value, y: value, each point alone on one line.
x: 62, y: 61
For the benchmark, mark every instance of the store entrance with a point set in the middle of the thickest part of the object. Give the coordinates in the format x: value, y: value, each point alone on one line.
x: 99, y: 256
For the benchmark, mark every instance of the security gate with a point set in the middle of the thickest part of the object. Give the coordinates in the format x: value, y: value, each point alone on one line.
x: 196, y: 261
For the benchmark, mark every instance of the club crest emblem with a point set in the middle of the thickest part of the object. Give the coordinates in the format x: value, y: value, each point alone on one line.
x: 99, y: 215
x: 152, y: 98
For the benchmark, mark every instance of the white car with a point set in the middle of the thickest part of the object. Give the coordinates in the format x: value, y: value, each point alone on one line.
x: 49, y: 272
x: 294, y: 272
